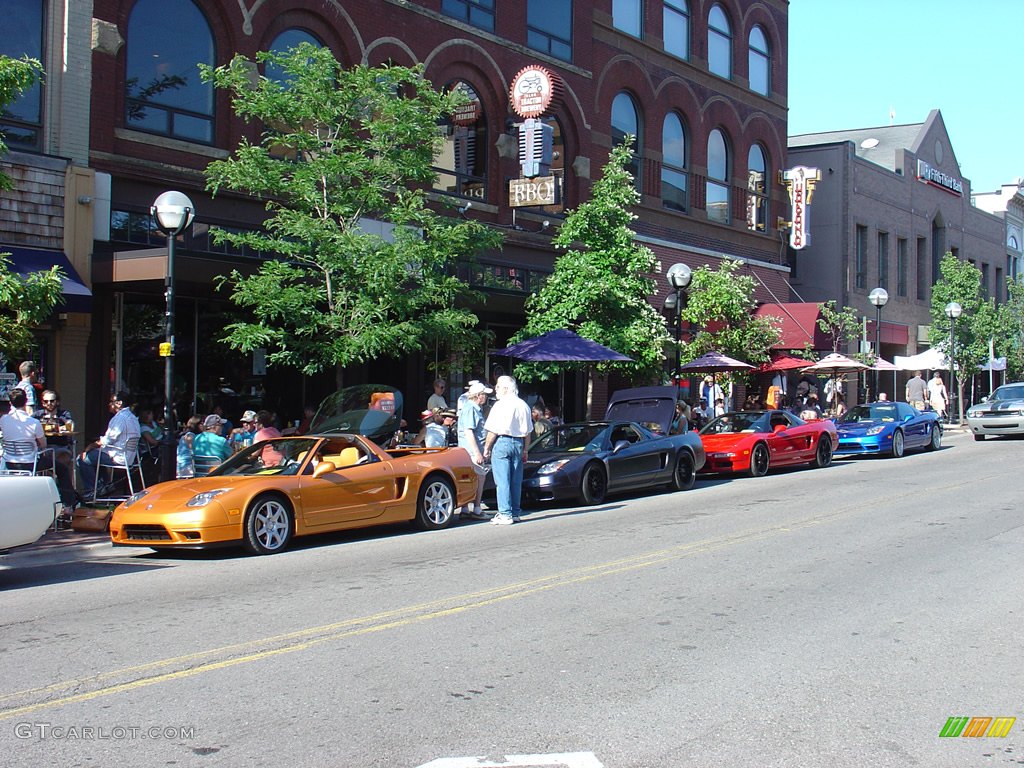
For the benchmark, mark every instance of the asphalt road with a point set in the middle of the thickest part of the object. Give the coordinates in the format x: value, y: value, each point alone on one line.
x: 818, y: 617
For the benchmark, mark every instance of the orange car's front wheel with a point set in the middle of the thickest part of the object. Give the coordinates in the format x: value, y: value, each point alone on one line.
x: 268, y: 525
x: 435, y: 505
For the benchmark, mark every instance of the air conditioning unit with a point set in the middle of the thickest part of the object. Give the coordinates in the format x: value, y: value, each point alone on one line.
x: 922, y: 333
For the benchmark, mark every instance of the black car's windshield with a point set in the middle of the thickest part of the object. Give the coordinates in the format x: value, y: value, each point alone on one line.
x: 269, y: 457
x: 873, y: 412
x: 571, y: 437
x: 740, y: 421
x: 1009, y: 392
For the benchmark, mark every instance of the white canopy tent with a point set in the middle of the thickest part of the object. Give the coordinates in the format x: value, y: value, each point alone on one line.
x: 932, y: 359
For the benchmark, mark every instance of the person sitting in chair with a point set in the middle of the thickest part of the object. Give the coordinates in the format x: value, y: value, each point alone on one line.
x: 111, y: 446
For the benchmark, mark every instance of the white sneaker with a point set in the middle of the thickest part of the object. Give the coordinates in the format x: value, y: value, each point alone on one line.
x: 502, y: 520
x: 516, y: 519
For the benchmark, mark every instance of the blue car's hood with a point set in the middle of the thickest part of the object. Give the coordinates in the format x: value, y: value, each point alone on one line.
x: 860, y: 427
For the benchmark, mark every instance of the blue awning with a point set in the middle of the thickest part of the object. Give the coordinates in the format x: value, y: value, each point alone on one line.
x: 24, y: 261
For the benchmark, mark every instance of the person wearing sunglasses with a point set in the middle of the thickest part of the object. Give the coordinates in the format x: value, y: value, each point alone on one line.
x: 57, y: 422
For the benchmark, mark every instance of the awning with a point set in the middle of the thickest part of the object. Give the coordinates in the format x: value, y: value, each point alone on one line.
x: 24, y: 261
x: 798, y: 325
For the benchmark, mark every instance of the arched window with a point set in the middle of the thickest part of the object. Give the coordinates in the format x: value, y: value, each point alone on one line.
x: 462, y: 162
x: 626, y: 121
x: 22, y: 120
x: 718, y: 178
x: 759, y: 62
x: 290, y: 38
x: 757, y: 190
x: 673, y: 163
x: 166, y: 41
x: 676, y: 21
x: 719, y: 43
x: 627, y: 16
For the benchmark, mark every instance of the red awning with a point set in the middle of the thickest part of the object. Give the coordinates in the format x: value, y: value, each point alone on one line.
x: 892, y: 333
x: 798, y: 325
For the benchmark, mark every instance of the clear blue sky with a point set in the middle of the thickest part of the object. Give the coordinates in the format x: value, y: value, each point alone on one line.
x: 850, y: 62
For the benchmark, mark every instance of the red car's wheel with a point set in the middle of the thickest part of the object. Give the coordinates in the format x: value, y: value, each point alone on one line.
x: 823, y: 456
x: 759, y: 460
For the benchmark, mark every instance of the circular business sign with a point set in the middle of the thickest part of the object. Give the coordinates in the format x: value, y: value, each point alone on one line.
x: 534, y: 90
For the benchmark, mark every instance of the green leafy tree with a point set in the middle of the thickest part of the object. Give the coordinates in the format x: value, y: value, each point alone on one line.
x: 842, y: 326
x: 16, y: 77
x: 1009, y: 338
x: 344, y: 164
x: 720, y: 305
x: 25, y: 302
x: 600, y: 285
x: 960, y: 281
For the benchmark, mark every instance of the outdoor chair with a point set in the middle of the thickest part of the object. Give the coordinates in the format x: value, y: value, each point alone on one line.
x: 25, y: 455
x: 116, y: 460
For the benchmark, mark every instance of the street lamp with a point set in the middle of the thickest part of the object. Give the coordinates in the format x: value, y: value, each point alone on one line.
x: 173, y: 212
x: 953, y: 311
x: 679, y: 277
x: 879, y: 297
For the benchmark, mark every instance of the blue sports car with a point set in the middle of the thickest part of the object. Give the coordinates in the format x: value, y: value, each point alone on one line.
x: 887, y: 427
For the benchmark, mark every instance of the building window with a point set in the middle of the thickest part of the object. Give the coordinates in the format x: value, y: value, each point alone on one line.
x: 718, y: 178
x: 757, y: 190
x: 626, y: 122
x: 861, y: 267
x: 166, y: 41
x: 986, y: 288
x: 922, y: 269
x: 719, y: 43
x: 676, y: 21
x: 479, y: 13
x: 290, y: 38
x: 901, y: 266
x: 549, y: 27
x: 627, y: 16
x: 759, y: 62
x: 21, y: 121
x: 883, y: 260
x: 673, y: 163
x: 462, y: 163
x: 998, y: 293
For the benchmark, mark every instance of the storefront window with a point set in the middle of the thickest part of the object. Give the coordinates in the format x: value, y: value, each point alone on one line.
x: 166, y: 41
x: 673, y: 164
x: 462, y: 162
x: 22, y: 119
x: 718, y: 178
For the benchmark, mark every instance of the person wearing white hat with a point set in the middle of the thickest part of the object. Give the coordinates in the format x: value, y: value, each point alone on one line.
x: 471, y: 437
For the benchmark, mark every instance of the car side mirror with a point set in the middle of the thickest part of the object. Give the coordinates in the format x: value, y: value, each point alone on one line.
x: 620, y: 445
x: 908, y: 417
x: 778, y: 428
x: 984, y: 399
x: 323, y: 468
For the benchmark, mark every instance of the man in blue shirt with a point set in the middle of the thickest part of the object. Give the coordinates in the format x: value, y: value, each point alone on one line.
x: 471, y: 437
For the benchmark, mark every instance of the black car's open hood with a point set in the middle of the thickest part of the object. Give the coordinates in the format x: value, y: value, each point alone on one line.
x: 644, y: 405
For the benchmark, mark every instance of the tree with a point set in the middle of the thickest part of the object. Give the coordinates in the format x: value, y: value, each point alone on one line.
x: 364, y: 268
x: 1009, y: 338
x: 842, y: 326
x: 16, y: 77
x: 24, y: 302
x: 720, y: 305
x: 960, y: 281
x: 600, y: 285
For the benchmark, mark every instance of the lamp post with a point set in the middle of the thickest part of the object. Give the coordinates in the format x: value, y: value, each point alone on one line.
x: 679, y: 277
x: 879, y: 297
x: 173, y: 212
x: 953, y: 311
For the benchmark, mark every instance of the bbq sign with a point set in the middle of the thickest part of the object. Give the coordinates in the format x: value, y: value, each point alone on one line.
x: 534, y: 91
x: 800, y: 182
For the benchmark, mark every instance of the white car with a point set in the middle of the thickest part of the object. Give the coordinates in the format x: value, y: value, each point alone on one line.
x: 1001, y: 413
x: 28, y: 509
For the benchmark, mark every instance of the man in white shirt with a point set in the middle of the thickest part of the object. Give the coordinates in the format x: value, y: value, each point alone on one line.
x: 19, y: 426
x: 123, y: 427
x: 509, y: 427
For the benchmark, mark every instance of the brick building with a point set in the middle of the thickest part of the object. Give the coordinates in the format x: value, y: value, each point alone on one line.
x: 701, y: 83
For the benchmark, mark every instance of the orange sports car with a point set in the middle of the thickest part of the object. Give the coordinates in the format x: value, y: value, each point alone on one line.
x: 276, y: 489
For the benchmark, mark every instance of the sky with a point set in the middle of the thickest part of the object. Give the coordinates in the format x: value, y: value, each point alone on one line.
x: 851, y: 62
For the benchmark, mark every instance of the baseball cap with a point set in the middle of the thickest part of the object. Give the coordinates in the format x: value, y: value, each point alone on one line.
x: 213, y: 420
x: 427, y: 414
x: 475, y: 388
x: 249, y: 416
x: 448, y: 413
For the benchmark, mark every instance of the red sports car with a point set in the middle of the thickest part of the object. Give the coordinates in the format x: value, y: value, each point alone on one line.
x: 753, y: 441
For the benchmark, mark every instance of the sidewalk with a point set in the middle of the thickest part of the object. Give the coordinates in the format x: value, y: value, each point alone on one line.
x: 63, y: 544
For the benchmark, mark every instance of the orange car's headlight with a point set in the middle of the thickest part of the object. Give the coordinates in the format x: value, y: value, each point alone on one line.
x: 204, y: 498
x: 133, y: 498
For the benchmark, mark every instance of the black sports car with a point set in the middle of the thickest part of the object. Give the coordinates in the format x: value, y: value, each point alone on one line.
x: 631, y: 450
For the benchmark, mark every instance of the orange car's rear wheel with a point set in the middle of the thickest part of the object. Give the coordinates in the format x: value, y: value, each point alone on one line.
x: 436, y: 503
x: 268, y: 525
